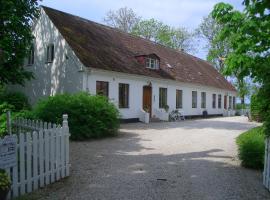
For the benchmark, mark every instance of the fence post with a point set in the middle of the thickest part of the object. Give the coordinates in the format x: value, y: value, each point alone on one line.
x: 66, y: 136
x: 9, y: 122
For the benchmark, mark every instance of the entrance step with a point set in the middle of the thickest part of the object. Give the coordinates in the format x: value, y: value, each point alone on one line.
x: 154, y: 119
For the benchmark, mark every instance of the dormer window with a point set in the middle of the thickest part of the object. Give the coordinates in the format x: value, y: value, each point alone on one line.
x: 152, y: 63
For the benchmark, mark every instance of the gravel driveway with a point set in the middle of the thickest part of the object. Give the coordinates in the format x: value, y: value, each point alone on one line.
x: 193, y: 159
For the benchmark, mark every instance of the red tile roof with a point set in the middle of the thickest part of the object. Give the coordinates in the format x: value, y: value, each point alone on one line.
x: 102, y: 47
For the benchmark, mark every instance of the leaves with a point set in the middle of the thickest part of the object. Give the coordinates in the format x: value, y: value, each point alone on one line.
x: 124, y: 19
x: 248, y: 33
x: 176, y: 38
x: 15, y: 39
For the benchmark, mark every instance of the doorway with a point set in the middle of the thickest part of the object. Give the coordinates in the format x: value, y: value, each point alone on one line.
x: 147, y: 99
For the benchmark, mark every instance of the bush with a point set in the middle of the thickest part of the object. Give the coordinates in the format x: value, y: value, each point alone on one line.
x: 257, y: 108
x: 18, y: 100
x: 89, y: 116
x: 4, y: 107
x: 251, y: 148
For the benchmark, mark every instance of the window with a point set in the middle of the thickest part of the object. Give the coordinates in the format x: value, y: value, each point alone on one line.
x: 203, y: 100
x: 234, y: 103
x: 225, y: 102
x: 152, y: 63
x: 219, y: 101
x: 50, y: 53
x: 102, y: 88
x: 214, y: 100
x: 179, y: 96
x: 123, y: 95
x: 31, y: 55
x: 194, y: 99
x: 162, y: 97
x: 230, y: 102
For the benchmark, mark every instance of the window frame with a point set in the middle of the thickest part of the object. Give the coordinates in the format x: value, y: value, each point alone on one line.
x: 179, y: 99
x: 219, y: 101
x: 50, y: 53
x: 194, y: 102
x: 214, y: 100
x: 123, y: 99
x: 103, y: 85
x: 203, y: 100
x: 163, y: 100
x: 152, y: 63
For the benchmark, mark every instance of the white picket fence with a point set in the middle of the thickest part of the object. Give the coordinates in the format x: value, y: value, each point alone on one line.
x: 43, y: 155
x: 266, y: 171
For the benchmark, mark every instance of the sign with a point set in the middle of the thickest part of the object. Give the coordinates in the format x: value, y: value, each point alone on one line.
x: 8, y: 149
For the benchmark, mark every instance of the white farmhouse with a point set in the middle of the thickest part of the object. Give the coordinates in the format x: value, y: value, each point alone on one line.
x: 72, y: 54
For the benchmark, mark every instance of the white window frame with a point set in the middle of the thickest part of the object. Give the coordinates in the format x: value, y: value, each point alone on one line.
x: 152, y: 63
x: 50, y: 53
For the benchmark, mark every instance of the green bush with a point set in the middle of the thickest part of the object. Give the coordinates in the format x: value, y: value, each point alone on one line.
x: 4, y: 107
x: 17, y: 99
x: 89, y: 116
x: 251, y: 148
x: 257, y: 108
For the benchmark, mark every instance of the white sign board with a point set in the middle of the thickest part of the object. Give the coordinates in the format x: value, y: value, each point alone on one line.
x: 8, y: 155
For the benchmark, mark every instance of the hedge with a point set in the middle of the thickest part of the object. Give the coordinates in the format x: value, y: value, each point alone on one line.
x: 251, y: 148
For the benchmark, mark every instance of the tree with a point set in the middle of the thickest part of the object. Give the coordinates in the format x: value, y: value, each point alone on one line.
x: 248, y: 33
x: 217, y: 49
x: 16, y: 18
x: 123, y: 18
x: 176, y: 38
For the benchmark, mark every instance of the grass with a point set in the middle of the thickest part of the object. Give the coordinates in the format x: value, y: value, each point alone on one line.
x: 251, y: 148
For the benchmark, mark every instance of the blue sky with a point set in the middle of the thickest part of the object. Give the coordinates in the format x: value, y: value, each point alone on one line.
x: 185, y: 13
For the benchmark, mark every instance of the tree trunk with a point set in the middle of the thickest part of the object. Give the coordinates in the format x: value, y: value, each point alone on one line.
x: 243, y: 102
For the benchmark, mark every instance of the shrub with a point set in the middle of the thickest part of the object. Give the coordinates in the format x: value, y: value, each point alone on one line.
x: 18, y: 100
x: 251, y: 148
x: 4, y: 107
x: 257, y: 108
x: 89, y: 116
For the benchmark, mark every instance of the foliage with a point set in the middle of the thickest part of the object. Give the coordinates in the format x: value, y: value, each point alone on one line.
x: 242, y: 106
x: 217, y: 49
x: 15, y: 40
x: 176, y: 38
x: 251, y: 148
x: 89, y: 116
x: 257, y: 108
x: 17, y: 99
x: 4, y: 181
x: 4, y: 107
x: 248, y: 33
x: 123, y: 18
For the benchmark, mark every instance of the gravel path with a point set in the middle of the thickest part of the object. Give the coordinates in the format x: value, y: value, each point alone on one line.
x: 193, y: 159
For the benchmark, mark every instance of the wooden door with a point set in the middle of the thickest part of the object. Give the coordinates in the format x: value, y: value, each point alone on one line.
x: 147, y: 99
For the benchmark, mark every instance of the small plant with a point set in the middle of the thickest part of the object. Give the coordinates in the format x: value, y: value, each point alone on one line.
x: 166, y: 108
x: 4, y: 184
x: 146, y: 109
